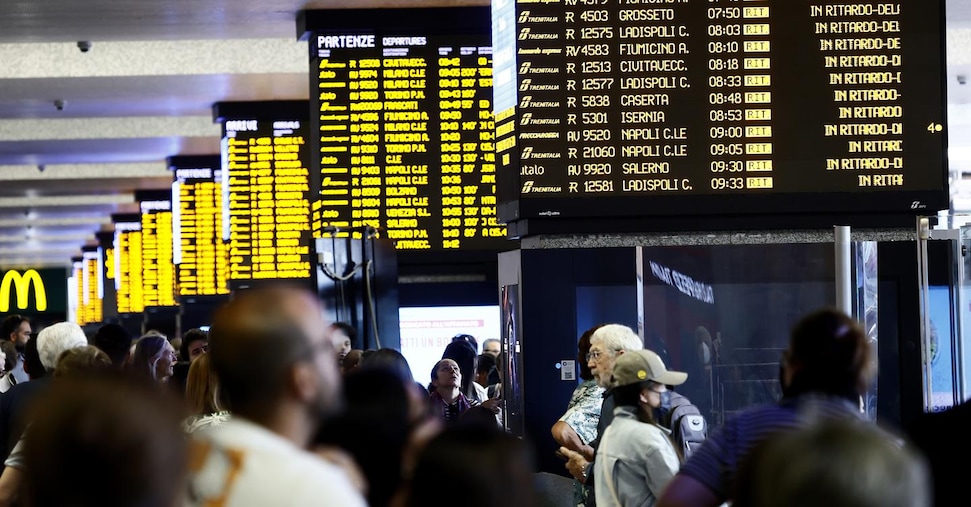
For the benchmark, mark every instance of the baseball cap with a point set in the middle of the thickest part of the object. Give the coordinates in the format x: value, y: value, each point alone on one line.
x: 635, y: 366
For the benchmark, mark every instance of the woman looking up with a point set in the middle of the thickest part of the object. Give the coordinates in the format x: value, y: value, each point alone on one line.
x: 445, y: 391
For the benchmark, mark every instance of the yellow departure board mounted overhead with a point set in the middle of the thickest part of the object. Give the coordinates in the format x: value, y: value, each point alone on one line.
x: 199, y: 251
x: 158, y: 271
x: 128, y: 263
x: 266, y: 187
x: 90, y: 309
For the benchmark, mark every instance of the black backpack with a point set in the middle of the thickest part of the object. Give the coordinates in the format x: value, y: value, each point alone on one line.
x: 688, y: 427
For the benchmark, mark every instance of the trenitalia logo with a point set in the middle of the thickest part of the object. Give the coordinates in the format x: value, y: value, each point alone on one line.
x: 22, y: 283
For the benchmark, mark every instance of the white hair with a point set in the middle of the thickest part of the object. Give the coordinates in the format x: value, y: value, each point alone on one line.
x: 615, y: 337
x: 57, y: 338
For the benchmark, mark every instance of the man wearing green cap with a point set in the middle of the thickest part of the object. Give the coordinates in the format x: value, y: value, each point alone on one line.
x: 636, y: 457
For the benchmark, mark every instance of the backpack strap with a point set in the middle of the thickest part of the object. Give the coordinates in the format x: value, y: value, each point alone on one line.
x: 609, y: 476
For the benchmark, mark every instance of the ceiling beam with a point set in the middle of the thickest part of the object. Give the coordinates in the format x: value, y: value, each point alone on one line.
x: 154, y: 58
x: 56, y: 172
x: 107, y: 128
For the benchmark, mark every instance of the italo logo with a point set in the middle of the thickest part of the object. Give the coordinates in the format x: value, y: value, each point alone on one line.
x: 22, y: 283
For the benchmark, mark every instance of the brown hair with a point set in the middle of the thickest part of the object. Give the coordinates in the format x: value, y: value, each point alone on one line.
x: 829, y: 353
x: 81, y: 362
x: 90, y: 429
x: 202, y: 387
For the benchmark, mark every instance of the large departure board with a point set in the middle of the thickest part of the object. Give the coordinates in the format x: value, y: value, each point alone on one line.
x: 405, y: 133
x: 158, y: 272
x: 266, y: 187
x: 128, y: 263
x: 90, y: 308
x: 651, y: 107
x: 199, y: 252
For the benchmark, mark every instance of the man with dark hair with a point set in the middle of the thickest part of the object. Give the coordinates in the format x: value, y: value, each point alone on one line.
x: 113, y: 340
x: 272, y: 354
x: 826, y: 368
x: 195, y: 342
x: 342, y: 335
x: 484, y: 367
x: 16, y: 329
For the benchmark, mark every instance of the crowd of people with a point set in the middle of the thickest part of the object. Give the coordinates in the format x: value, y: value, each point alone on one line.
x: 273, y: 406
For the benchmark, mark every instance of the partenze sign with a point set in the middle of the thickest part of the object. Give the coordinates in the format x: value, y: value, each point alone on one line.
x: 22, y: 282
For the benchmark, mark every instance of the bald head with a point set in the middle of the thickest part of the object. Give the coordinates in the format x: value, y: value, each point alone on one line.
x: 259, y: 337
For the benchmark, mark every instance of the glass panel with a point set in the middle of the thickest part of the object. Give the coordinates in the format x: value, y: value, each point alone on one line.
x: 512, y: 389
x: 723, y: 315
x: 943, y: 263
x: 865, y: 306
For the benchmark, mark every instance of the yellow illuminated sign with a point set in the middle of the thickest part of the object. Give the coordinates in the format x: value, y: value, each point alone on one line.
x: 22, y: 283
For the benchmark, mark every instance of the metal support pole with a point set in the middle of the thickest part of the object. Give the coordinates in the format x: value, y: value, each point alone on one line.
x: 844, y: 270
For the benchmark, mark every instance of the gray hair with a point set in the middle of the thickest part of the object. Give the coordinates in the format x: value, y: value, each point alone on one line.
x: 57, y: 338
x: 615, y: 337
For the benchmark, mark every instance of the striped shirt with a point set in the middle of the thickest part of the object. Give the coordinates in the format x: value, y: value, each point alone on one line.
x: 716, y: 462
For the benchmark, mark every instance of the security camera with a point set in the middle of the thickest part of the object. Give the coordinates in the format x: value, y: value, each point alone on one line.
x: 84, y: 46
x: 59, y: 104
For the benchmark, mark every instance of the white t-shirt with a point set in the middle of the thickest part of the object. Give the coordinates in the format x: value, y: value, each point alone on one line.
x: 241, y: 464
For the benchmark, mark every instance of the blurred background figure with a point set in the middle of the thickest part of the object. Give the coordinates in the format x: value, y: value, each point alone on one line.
x: 472, y: 466
x: 194, y: 343
x: 491, y: 347
x: 115, y: 341
x: 13, y: 403
x: 342, y: 335
x: 834, y: 464
x: 91, y: 429
x: 16, y: 329
x: 825, y: 370
x: 939, y: 437
x: 154, y: 358
x: 203, y: 399
x: 274, y: 360
x: 72, y: 364
x: 485, y: 367
x: 350, y: 361
x: 375, y: 427
x: 12, y: 360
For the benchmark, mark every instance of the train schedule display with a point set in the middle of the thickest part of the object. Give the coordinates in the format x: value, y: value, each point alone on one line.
x: 648, y: 108
x: 266, y: 188
x: 403, y: 115
x: 199, y: 252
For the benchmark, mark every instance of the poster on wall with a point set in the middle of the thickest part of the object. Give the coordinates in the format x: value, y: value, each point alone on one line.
x: 426, y: 331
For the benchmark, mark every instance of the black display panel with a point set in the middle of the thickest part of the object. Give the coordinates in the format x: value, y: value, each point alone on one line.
x: 265, y: 184
x: 402, y: 102
x: 199, y: 252
x: 637, y: 109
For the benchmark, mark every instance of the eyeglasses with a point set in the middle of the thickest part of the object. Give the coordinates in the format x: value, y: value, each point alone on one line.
x: 594, y: 355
